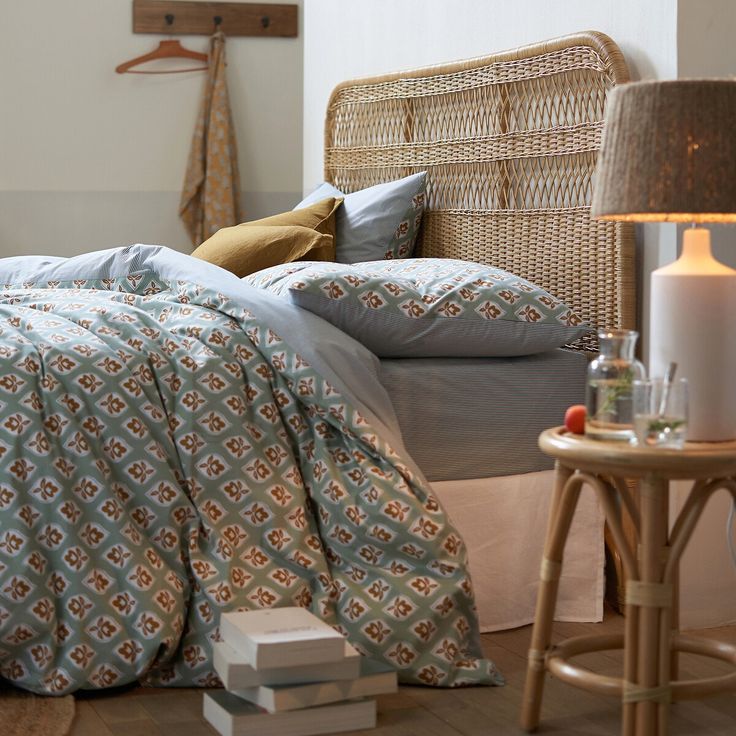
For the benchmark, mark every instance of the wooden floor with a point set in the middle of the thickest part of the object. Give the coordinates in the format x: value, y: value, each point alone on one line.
x: 415, y: 711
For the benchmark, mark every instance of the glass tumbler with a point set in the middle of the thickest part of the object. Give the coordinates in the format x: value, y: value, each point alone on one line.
x: 660, y: 412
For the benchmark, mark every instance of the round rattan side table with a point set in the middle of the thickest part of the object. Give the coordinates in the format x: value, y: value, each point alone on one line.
x: 651, y: 636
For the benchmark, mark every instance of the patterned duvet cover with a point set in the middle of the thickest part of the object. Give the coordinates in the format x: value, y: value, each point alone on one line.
x: 165, y: 456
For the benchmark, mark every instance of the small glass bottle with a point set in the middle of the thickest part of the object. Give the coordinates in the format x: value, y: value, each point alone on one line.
x: 608, y: 391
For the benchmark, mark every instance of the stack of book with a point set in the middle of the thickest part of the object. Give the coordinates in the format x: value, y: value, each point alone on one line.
x: 287, y: 673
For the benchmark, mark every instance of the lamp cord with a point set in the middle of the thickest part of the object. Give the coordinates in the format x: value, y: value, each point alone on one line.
x: 729, y: 532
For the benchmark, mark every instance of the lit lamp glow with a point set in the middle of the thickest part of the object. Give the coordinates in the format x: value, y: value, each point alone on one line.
x: 669, y: 155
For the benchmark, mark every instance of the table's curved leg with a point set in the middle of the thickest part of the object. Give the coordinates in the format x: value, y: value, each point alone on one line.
x: 609, y: 499
x: 682, y: 530
x: 689, y: 515
x: 562, y: 508
x: 627, y: 501
x: 671, y: 574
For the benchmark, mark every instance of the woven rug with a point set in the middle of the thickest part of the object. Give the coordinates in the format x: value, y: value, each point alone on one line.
x: 25, y: 714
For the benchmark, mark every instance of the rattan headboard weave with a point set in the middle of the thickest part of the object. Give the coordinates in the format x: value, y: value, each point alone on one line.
x: 509, y: 143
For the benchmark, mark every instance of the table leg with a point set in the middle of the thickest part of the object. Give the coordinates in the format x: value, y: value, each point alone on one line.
x: 675, y: 623
x: 650, y: 718
x: 562, y: 508
x: 631, y: 645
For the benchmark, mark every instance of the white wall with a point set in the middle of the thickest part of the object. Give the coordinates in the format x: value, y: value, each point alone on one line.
x: 92, y: 159
x: 352, y: 38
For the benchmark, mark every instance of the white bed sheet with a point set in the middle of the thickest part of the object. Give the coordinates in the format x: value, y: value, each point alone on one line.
x: 503, y: 521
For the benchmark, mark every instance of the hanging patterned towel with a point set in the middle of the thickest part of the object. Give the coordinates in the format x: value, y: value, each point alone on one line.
x: 209, y: 198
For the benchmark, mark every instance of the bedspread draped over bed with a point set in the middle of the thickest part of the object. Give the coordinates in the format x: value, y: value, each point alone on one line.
x: 167, y: 457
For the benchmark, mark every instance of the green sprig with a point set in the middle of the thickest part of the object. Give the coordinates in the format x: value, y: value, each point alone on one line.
x: 615, y: 392
x: 664, y: 425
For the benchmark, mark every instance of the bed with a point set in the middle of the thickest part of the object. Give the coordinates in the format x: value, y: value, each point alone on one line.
x: 509, y: 143
x: 177, y: 444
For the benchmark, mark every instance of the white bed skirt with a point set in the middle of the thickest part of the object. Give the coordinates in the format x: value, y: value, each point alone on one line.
x: 503, y: 521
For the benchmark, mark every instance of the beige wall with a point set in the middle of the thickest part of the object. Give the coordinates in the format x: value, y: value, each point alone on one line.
x: 92, y: 159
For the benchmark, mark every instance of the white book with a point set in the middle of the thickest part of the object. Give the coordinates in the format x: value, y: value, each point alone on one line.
x: 281, y: 637
x: 232, y: 716
x: 375, y: 678
x: 236, y: 673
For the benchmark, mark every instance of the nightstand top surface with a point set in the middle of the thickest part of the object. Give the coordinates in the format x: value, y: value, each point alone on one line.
x: 694, y: 460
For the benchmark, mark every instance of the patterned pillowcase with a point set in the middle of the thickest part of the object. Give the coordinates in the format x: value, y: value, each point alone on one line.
x: 378, y: 222
x: 428, y: 307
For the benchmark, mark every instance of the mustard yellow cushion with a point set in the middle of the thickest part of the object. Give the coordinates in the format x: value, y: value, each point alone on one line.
x: 247, y: 248
x: 319, y: 216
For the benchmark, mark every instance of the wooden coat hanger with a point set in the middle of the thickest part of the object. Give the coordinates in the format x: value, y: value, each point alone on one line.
x: 166, y: 50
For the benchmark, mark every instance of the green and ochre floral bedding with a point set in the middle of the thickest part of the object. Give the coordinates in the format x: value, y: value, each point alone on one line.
x: 166, y: 457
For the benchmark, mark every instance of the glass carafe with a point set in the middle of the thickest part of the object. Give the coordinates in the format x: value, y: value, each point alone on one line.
x: 608, y: 391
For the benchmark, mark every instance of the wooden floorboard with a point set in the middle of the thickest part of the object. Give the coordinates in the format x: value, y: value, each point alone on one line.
x: 417, y: 711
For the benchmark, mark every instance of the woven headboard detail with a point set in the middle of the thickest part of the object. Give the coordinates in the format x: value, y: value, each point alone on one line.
x: 509, y: 143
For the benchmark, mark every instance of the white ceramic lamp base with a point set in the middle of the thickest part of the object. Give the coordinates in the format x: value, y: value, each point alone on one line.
x: 693, y: 322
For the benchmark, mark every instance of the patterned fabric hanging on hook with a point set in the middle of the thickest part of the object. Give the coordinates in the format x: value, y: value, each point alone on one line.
x: 211, y: 191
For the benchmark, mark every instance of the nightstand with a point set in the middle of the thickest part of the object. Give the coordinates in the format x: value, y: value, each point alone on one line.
x: 651, y: 637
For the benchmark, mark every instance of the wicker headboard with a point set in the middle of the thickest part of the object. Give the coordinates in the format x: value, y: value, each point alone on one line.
x: 509, y: 143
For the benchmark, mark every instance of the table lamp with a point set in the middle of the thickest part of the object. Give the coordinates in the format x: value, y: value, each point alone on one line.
x: 669, y: 154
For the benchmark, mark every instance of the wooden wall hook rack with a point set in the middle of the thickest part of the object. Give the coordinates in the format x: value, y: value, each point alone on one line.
x: 178, y: 17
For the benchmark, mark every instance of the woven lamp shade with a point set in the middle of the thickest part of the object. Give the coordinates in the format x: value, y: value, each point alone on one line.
x: 668, y: 153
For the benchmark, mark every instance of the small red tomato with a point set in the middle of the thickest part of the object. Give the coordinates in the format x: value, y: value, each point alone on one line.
x: 575, y: 419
